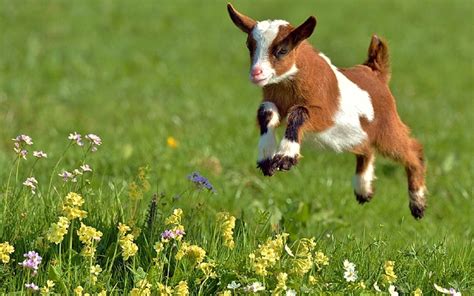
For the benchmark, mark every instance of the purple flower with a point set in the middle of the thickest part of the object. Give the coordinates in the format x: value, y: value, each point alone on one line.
x: 32, y: 286
x: 67, y: 176
x: 32, y: 261
x: 168, y: 234
x: 179, y: 232
x: 201, y: 181
x: 32, y: 183
x: 76, y: 138
x: 40, y: 154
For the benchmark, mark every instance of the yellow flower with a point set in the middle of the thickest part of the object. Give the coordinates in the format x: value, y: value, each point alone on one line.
x: 158, y: 248
x: 312, y: 280
x: 389, y: 276
x: 181, y: 289
x: 227, y: 225
x: 193, y: 252
x: 321, y: 259
x: 96, y: 269
x: 225, y: 293
x: 171, y: 142
x: 74, y: 200
x: 301, y: 266
x: 48, y: 288
x: 208, y: 269
x: 164, y: 290
x: 89, y: 236
x: 102, y: 293
x: 143, y: 178
x: 142, y: 289
x: 268, y: 254
x: 361, y: 285
x: 78, y: 290
x: 72, y: 207
x: 129, y: 248
x: 281, y: 283
x: 175, y: 218
x: 123, y: 228
x: 134, y: 191
x: 417, y: 292
x: 5, y: 250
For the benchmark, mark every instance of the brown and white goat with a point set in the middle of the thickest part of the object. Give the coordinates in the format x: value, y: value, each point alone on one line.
x: 341, y: 109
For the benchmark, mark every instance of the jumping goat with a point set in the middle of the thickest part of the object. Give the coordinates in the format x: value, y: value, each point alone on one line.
x: 343, y: 109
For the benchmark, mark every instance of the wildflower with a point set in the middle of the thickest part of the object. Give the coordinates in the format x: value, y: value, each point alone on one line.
x: 165, y: 290
x: 281, y: 282
x: 57, y: 231
x: 312, y: 280
x: 303, y: 261
x: 77, y: 172
x: 167, y: 235
x: 86, y: 168
x: 225, y: 293
x: 207, y: 269
x: 129, y: 248
x: 32, y: 183
x: 72, y: 206
x: 255, y: 287
x: 32, y: 287
x: 350, y: 274
x: 451, y: 291
x: 321, y: 259
x: 233, y: 285
x: 32, y: 262
x: 23, y: 139
x: 143, y: 288
x: 392, y: 290
x: 376, y: 287
x: 193, y: 252
x: 95, y: 271
x: 200, y: 181
x: 78, y: 290
x: 77, y: 138
x: 68, y: 176
x: 227, y: 225
x: 40, y: 154
x: 102, y: 293
x: 158, y: 247
x: 268, y: 254
x: 48, y: 288
x: 94, y: 141
x: 5, y: 250
x: 389, y: 276
x: 181, y: 289
x: 290, y: 292
x: 171, y: 142
x: 175, y: 218
x: 417, y: 292
x: 88, y: 236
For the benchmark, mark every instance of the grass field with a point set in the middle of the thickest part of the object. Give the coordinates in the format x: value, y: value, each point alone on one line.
x: 137, y: 73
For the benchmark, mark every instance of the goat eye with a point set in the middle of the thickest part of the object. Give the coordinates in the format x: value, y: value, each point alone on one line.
x: 281, y: 52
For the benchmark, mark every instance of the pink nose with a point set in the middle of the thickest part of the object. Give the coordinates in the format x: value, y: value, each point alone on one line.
x: 256, y: 71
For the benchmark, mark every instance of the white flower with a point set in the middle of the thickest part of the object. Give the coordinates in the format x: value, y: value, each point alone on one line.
x: 451, y: 291
x: 77, y: 172
x: 233, y: 285
x: 66, y: 176
x: 95, y: 141
x: 40, y: 154
x: 392, y: 291
x: 288, y: 251
x: 32, y: 183
x: 23, y: 138
x: 76, y: 138
x: 86, y: 168
x: 255, y: 287
x: 376, y: 287
x: 350, y: 274
x: 290, y: 292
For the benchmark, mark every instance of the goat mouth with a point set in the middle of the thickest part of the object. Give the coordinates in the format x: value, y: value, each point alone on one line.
x: 261, y: 81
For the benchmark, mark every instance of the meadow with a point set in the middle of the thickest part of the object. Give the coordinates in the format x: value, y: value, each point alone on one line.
x: 165, y: 87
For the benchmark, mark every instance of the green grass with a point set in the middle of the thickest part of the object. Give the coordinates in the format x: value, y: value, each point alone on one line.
x: 137, y: 72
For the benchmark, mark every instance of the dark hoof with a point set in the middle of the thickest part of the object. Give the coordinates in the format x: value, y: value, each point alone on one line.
x: 417, y: 211
x: 362, y: 199
x: 283, y: 163
x: 266, y: 166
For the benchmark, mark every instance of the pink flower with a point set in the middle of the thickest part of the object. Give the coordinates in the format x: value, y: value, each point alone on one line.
x: 23, y: 139
x: 32, y: 286
x: 32, y: 183
x: 67, y: 176
x: 40, y: 154
x: 76, y: 138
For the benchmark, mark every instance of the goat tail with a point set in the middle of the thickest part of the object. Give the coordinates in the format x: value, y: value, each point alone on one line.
x: 378, y: 58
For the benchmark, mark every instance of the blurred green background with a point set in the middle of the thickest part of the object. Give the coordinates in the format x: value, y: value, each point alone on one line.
x: 137, y: 72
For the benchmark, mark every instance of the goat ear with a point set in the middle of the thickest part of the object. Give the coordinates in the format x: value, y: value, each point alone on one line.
x: 301, y: 33
x: 244, y: 22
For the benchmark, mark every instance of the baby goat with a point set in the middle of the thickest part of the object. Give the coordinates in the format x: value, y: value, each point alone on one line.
x: 343, y: 109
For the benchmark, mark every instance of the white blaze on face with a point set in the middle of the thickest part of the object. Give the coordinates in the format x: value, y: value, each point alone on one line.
x: 264, y: 34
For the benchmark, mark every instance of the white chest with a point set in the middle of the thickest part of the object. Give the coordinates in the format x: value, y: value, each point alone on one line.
x: 354, y: 103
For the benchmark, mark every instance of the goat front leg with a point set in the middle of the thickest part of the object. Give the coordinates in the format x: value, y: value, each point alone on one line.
x: 289, y: 151
x: 268, y: 119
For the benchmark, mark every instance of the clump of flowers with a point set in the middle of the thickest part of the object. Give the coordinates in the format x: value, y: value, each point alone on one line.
x: 208, y: 269
x: 389, y: 276
x: 201, y: 181
x: 95, y: 270
x: 181, y: 289
x: 48, y: 288
x: 72, y: 207
x: 254, y: 287
x: 32, y: 183
x: 193, y: 252
x: 19, y: 145
x: 417, y: 292
x: 5, y: 251
x: 450, y: 291
x: 129, y: 248
x: 281, y: 283
x: 227, y: 225
x: 58, y: 230
x: 32, y: 287
x: 268, y: 254
x: 177, y: 229
x: 136, y: 189
x: 165, y: 290
x: 68, y: 176
x: 89, y: 236
x: 168, y: 235
x: 321, y: 259
x: 304, y: 258
x: 143, y: 288
x: 32, y: 261
x: 76, y: 139
x: 350, y: 273
x: 94, y: 141
x: 40, y: 154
